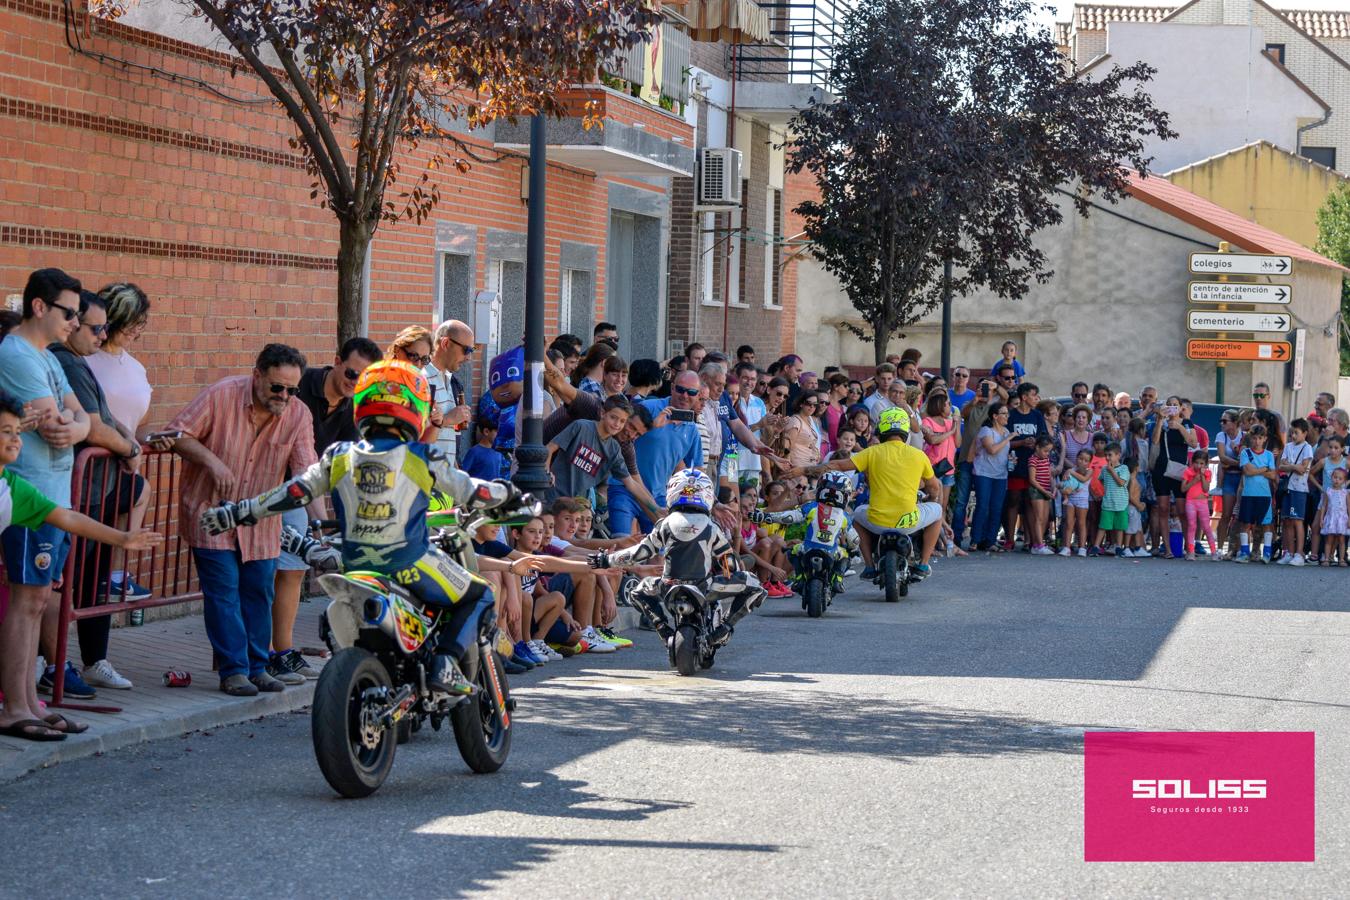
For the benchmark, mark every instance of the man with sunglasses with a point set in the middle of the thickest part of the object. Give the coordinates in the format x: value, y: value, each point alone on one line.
x: 34, y: 558
x: 454, y: 343
x: 1261, y: 400
x: 240, y: 436
x: 114, y: 486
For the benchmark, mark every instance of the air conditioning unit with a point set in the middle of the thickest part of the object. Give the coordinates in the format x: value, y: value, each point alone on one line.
x: 719, y: 177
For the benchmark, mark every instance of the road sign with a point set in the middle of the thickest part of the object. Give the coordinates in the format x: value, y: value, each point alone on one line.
x: 1250, y: 351
x: 1220, y: 292
x: 1213, y: 320
x: 1300, y: 345
x: 1241, y: 264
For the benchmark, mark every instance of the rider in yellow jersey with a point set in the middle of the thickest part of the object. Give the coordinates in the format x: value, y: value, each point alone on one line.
x: 895, y: 473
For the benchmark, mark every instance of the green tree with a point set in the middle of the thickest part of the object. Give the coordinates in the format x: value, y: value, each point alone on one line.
x: 368, y: 84
x: 955, y: 123
x: 1333, y: 242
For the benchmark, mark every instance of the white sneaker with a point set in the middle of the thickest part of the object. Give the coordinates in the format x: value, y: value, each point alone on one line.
x: 541, y: 650
x: 1082, y: 552
x: 596, y: 643
x: 1284, y: 560
x: 1065, y: 551
x: 1297, y: 560
x: 102, y: 674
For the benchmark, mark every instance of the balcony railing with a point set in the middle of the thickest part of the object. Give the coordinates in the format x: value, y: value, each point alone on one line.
x: 628, y: 65
x: 804, y: 33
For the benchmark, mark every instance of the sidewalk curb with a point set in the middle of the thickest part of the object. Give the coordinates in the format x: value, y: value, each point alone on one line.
x: 107, y: 733
x: 101, y: 738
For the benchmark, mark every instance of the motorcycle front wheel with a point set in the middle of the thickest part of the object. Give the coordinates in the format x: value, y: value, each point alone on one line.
x: 354, y: 751
x: 814, y: 599
x: 482, y: 723
x: 686, y: 650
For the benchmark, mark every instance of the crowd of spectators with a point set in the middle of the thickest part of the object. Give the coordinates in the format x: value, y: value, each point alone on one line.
x: 1097, y: 473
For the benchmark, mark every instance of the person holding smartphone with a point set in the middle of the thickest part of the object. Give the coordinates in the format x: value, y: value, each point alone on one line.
x: 974, y: 415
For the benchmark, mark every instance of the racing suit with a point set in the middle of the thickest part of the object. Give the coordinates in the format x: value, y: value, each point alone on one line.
x: 693, y: 545
x: 381, y: 490
x: 827, y: 528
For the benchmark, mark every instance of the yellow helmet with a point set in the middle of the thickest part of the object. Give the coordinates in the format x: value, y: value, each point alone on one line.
x: 893, y: 420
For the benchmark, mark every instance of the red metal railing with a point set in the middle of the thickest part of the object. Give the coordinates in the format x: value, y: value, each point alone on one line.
x: 99, y: 489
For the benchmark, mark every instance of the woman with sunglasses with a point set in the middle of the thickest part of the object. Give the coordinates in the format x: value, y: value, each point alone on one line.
x: 832, y: 413
x: 414, y: 345
x: 800, y: 436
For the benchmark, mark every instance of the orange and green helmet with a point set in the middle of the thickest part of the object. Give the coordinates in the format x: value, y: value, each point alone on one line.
x: 392, y: 394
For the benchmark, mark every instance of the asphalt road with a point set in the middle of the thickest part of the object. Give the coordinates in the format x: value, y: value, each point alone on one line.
x: 931, y: 748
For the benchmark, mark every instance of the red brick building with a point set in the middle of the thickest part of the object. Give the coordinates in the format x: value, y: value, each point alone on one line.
x: 135, y: 150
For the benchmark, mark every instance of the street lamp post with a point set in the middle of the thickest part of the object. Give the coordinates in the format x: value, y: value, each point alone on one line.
x: 531, y: 473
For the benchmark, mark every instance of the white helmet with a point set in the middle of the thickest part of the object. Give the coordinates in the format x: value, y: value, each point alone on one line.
x: 690, y: 489
x: 834, y: 488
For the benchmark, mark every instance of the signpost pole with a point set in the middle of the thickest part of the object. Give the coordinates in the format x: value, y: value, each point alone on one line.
x: 947, y: 321
x: 1220, y: 365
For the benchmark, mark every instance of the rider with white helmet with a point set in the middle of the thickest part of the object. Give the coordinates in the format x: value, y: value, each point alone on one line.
x: 693, y: 547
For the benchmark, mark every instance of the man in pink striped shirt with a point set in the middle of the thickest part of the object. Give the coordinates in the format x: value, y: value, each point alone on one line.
x: 239, y: 436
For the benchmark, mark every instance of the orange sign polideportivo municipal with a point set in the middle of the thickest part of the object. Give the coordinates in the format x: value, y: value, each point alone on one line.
x: 1239, y: 351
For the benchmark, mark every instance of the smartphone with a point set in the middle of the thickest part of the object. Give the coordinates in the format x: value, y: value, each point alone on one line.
x: 433, y: 393
x: 681, y: 415
x: 162, y: 436
x: 1171, y: 410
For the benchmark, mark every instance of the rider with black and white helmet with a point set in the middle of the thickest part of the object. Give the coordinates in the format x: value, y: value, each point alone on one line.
x: 694, y: 549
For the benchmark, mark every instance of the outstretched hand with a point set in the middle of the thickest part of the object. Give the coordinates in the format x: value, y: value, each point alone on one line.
x: 141, y: 540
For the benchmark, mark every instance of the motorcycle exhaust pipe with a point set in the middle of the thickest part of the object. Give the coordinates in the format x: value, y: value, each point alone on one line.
x: 686, y: 608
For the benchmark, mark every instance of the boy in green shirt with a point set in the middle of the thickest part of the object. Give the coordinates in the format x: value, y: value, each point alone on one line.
x: 23, y: 504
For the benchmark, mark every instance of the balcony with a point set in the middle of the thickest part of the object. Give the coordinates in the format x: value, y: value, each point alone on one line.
x: 800, y: 48
x: 637, y: 137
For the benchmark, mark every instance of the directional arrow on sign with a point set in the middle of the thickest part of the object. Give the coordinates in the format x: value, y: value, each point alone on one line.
x: 1211, y: 320
x: 1225, y: 292
x: 1241, y: 264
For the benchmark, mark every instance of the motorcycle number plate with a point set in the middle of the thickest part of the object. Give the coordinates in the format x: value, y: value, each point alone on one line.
x: 411, y: 626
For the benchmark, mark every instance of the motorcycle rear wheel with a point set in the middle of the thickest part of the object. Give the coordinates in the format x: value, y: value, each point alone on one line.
x: 686, y: 650
x: 337, y: 726
x: 896, y: 584
x: 482, y: 730
x: 814, y: 598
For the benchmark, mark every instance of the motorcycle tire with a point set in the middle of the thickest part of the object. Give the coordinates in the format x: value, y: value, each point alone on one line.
x: 896, y: 585
x: 350, y: 767
x: 814, y: 598
x: 686, y: 650
x: 482, y: 730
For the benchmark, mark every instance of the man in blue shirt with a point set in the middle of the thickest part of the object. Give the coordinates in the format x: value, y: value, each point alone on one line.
x: 960, y: 394
x: 663, y: 450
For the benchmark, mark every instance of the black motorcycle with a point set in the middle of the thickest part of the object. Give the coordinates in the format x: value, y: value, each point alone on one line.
x: 895, y: 563
x: 814, y: 579
x: 373, y: 693
x: 695, y: 617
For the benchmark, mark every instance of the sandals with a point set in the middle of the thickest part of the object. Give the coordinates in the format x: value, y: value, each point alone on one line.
x: 24, y: 729
x: 60, y: 723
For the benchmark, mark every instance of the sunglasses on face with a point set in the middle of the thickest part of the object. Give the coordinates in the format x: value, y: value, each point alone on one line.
x: 1007, y: 378
x: 468, y: 348
x: 423, y: 361
x: 100, y: 330
x: 65, y: 311
x: 1080, y: 396
x: 688, y: 392
x: 289, y: 390
x: 1257, y: 396
x: 350, y: 374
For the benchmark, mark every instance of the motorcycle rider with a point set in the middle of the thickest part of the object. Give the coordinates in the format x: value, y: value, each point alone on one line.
x: 693, y: 546
x: 895, y: 474
x: 827, y: 526
x: 382, y: 488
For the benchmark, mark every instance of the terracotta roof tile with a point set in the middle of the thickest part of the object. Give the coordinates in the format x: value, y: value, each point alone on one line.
x: 1195, y: 210
x: 1095, y: 16
x: 1319, y: 23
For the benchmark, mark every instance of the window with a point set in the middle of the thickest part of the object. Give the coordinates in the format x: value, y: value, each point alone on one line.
x: 1324, y: 155
x: 1277, y: 51
x: 507, y: 277
x: 456, y: 287
x: 773, y: 256
x: 576, y: 300
x: 713, y: 254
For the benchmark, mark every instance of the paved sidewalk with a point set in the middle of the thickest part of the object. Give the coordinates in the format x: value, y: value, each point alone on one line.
x: 150, y: 710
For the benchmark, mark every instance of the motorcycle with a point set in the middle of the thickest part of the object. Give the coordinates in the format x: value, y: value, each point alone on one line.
x: 695, y: 617
x: 895, y: 564
x: 373, y: 693
x: 815, y: 581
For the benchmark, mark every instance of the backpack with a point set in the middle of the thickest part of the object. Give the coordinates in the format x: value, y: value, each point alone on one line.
x: 1097, y: 487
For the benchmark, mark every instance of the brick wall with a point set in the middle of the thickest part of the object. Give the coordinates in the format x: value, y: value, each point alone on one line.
x: 117, y: 174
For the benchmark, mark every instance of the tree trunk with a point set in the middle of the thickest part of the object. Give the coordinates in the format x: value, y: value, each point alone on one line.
x: 880, y: 341
x: 353, y: 243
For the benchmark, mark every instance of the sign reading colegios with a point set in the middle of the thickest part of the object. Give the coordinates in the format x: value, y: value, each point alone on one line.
x: 1241, y: 264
